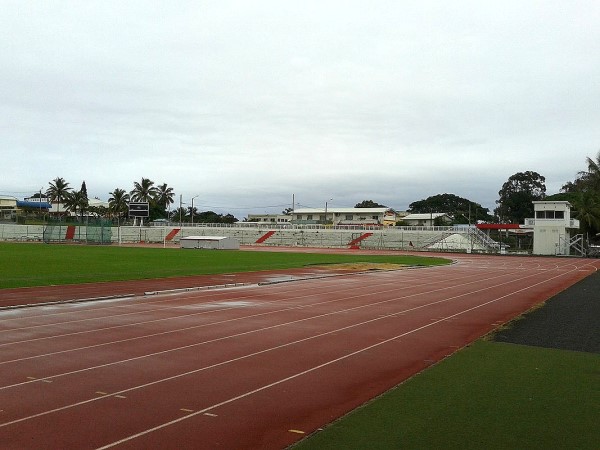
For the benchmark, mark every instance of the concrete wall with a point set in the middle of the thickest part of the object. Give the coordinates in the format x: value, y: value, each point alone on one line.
x: 393, y: 238
x: 10, y: 232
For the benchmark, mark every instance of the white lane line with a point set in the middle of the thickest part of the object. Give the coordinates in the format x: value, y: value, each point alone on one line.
x: 202, y: 343
x: 299, y: 374
x: 342, y: 311
x: 76, y: 308
x: 222, y: 363
x: 178, y: 317
x: 178, y: 299
x: 137, y: 311
x: 143, y: 301
x: 314, y: 291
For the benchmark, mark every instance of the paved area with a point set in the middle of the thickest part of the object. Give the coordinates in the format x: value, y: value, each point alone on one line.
x: 569, y: 321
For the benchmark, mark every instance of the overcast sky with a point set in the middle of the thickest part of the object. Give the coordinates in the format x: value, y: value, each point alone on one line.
x: 246, y: 103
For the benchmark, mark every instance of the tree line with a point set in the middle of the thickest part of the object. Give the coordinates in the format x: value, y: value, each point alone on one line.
x: 583, y: 193
x: 159, y: 198
x: 513, y: 205
x: 516, y: 197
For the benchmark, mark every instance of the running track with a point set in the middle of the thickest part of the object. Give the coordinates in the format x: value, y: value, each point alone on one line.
x: 247, y: 367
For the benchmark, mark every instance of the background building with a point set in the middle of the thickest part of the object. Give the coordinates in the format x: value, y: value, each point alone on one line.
x: 8, y: 208
x: 426, y: 219
x: 346, y: 216
x: 270, y: 218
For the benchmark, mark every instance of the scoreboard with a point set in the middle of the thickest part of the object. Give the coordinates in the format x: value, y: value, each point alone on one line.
x: 139, y: 209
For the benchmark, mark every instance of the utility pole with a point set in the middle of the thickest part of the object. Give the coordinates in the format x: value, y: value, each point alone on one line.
x: 180, y: 206
x: 192, y: 210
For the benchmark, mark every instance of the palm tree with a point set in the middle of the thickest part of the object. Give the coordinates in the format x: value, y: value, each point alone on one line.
x: 164, y: 196
x: 118, y: 203
x: 591, y: 177
x: 76, y: 201
x: 58, y: 189
x: 179, y: 215
x: 587, y: 211
x: 143, y: 191
x: 191, y: 212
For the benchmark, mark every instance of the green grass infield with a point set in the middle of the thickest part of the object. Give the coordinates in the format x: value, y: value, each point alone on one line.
x: 42, y: 264
x: 487, y: 396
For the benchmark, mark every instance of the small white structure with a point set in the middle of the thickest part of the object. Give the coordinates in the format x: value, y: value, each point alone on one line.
x: 210, y: 242
x: 554, y: 232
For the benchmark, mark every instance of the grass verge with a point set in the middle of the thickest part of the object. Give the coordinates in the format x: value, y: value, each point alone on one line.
x: 489, y: 395
x: 41, y: 265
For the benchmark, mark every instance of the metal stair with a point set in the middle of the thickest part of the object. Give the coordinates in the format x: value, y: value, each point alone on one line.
x: 482, y: 239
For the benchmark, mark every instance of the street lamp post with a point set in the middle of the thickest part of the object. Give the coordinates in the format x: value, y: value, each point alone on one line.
x: 180, y: 208
x: 192, y: 210
x: 325, y: 221
x: 40, y: 208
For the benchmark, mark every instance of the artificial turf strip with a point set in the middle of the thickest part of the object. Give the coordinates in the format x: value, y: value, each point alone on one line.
x: 487, y: 396
x: 42, y: 264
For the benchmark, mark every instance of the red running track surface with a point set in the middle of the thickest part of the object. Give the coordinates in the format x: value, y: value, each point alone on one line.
x: 247, y: 367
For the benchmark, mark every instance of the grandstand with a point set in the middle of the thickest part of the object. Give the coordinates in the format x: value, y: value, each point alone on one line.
x: 447, y: 238
x: 437, y: 238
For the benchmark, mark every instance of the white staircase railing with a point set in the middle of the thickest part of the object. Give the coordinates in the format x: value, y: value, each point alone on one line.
x: 482, y: 239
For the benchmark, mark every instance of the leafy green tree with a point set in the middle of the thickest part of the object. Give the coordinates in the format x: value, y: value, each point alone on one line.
x: 369, y: 204
x: 99, y: 211
x: 84, y: 201
x: 208, y: 217
x: 228, y: 218
x: 84, y: 190
x: 118, y: 204
x: 57, y: 190
x: 460, y: 209
x: 213, y: 217
x: 517, y: 194
x: 573, y: 186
